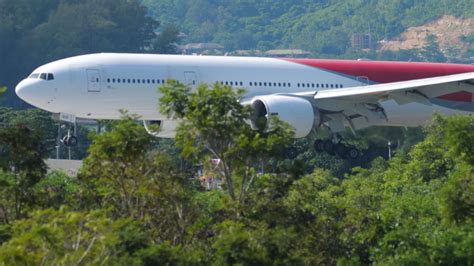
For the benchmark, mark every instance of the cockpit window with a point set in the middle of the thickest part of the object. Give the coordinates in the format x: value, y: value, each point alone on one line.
x: 45, y: 76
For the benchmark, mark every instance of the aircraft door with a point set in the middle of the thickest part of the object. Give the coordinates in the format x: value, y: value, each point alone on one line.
x: 190, y: 78
x: 93, y: 80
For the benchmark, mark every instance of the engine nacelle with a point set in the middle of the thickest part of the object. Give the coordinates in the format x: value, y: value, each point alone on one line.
x: 297, y: 112
x: 161, y: 128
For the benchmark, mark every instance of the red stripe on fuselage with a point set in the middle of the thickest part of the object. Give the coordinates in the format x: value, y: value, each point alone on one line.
x: 462, y: 96
x: 384, y: 71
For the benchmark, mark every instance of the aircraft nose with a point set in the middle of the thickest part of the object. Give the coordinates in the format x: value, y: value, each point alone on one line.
x: 31, y: 91
x: 21, y: 89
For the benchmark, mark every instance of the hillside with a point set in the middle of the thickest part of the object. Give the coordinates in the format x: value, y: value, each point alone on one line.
x: 450, y: 34
x: 323, y: 27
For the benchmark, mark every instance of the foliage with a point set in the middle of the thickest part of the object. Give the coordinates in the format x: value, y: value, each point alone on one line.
x: 214, y: 121
x: 67, y: 237
x: 126, y: 176
x: 322, y: 27
x: 21, y: 156
x: 132, y: 205
x: 167, y: 40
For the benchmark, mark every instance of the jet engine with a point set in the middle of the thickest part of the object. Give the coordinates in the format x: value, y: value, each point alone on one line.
x: 297, y: 112
x: 161, y: 128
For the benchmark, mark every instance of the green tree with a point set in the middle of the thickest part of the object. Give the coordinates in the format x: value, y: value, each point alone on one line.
x: 214, y: 121
x: 166, y: 41
x: 21, y: 154
x: 126, y: 174
x: 431, y: 50
x: 66, y: 237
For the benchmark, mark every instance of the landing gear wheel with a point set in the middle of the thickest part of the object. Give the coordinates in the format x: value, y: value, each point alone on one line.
x: 72, y: 141
x: 318, y: 145
x: 340, y: 150
x: 352, y: 153
x: 69, y: 141
x: 329, y: 146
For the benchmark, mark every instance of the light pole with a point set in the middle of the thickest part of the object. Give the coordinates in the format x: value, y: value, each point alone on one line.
x: 389, y: 150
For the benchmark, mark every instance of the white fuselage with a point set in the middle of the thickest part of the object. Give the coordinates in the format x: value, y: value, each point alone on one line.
x: 98, y: 86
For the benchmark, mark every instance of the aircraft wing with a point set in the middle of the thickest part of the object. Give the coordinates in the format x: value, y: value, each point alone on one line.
x: 420, y: 90
x: 342, y: 107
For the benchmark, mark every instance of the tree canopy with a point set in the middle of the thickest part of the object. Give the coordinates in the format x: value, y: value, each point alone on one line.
x: 132, y: 204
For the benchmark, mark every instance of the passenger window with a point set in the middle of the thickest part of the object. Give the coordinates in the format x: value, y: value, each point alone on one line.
x: 113, y: 80
x: 133, y: 80
x: 118, y: 80
x: 298, y: 85
x: 108, y: 80
x: 163, y: 81
x: 260, y: 83
x: 269, y: 84
x: 312, y: 85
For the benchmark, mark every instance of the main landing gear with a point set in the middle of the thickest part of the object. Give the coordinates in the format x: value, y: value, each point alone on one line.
x: 336, y: 147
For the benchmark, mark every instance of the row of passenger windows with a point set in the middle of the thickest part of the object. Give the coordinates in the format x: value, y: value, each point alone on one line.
x: 320, y: 85
x: 140, y: 81
x: 232, y: 83
x: 283, y: 84
x: 45, y: 76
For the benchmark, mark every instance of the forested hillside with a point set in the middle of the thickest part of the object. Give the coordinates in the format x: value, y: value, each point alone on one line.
x: 322, y: 27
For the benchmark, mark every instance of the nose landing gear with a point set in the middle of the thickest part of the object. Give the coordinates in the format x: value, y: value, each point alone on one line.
x: 67, y: 123
x: 70, y: 140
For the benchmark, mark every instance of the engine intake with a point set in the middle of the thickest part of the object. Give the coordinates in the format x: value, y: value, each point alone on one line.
x: 161, y: 128
x: 297, y: 112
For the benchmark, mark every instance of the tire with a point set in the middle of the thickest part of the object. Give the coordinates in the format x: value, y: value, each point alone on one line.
x: 341, y: 150
x: 352, y: 153
x: 72, y: 142
x: 329, y: 146
x: 318, y: 145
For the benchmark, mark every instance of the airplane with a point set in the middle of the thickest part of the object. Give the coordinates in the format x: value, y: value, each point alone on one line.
x: 306, y: 93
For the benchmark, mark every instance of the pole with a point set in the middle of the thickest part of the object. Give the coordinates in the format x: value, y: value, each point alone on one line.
x: 389, y: 150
